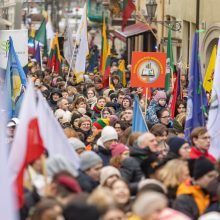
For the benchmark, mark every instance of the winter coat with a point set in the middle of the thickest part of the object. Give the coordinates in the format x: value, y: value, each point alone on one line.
x: 131, y: 167
x: 104, y: 154
x: 195, y: 153
x: 86, y: 182
x: 151, y: 112
x: 191, y: 200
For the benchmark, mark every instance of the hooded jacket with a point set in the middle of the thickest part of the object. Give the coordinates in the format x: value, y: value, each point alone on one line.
x: 191, y: 200
x: 51, y: 102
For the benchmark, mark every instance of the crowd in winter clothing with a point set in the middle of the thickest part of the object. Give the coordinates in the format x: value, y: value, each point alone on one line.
x: 153, y: 175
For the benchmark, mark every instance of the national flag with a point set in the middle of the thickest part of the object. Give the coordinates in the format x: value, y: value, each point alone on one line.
x: 174, y: 95
x: 27, y: 145
x: 41, y: 36
x: 54, y: 60
x: 121, y: 68
x: 138, y: 122
x: 7, y: 200
x: 104, y: 49
x: 82, y: 47
x: 208, y: 80
x: 38, y: 54
x: 170, y: 62
x: 49, y: 27
x: 105, y: 80
x: 214, y: 111
x: 197, y: 101
x: 53, y: 136
x: 68, y: 42
x: 15, y: 82
x: 128, y: 8
x: 31, y: 46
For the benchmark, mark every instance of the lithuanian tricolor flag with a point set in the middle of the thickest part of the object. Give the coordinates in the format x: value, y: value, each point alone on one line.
x: 104, y: 51
x: 54, y: 60
x: 105, y: 80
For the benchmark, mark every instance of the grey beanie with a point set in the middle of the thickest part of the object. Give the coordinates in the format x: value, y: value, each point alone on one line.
x: 76, y: 143
x: 57, y: 163
x: 89, y: 159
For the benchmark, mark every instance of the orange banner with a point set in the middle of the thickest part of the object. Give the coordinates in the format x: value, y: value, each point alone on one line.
x: 148, y: 69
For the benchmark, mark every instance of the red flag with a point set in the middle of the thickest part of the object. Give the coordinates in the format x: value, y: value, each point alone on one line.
x: 128, y: 8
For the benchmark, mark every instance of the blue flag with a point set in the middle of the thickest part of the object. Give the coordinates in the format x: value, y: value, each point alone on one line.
x: 37, y: 54
x: 138, y: 122
x: 15, y: 82
x: 197, y: 103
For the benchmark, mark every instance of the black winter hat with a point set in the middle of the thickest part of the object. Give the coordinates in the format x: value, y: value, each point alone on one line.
x: 175, y: 144
x: 201, y: 167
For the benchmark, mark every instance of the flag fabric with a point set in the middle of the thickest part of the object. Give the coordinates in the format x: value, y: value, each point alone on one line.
x: 27, y: 143
x: 208, y: 79
x: 37, y: 54
x: 68, y: 42
x: 106, y: 76
x: 49, y: 27
x: 53, y: 136
x: 7, y: 200
x: 31, y: 46
x: 170, y: 62
x: 174, y: 95
x: 82, y: 47
x: 138, y: 122
x: 15, y: 82
x: 121, y: 68
x: 197, y: 100
x: 214, y: 113
x: 54, y: 60
x: 128, y: 8
x: 104, y: 50
x: 41, y: 36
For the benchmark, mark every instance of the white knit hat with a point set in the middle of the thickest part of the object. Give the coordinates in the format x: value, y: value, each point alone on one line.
x: 107, y: 172
x: 210, y: 216
x: 76, y: 143
x: 108, y: 134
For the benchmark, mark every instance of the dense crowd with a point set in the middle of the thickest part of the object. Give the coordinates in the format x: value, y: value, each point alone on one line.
x: 154, y: 175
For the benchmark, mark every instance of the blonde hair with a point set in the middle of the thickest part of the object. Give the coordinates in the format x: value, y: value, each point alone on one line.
x: 171, y: 172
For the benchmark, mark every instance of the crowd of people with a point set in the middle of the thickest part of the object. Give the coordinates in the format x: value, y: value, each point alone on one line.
x: 153, y: 175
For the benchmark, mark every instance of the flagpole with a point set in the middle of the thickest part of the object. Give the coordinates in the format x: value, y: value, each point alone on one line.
x: 41, y: 63
x: 70, y: 66
x: 146, y: 97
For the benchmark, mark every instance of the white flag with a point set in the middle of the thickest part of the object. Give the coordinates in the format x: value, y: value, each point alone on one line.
x: 7, y: 198
x: 52, y: 134
x: 82, y: 47
x: 68, y: 43
x: 214, y: 111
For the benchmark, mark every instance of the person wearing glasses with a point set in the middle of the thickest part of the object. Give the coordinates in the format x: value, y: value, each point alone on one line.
x: 200, y: 140
x: 165, y: 118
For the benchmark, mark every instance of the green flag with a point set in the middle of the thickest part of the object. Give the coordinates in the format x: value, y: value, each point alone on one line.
x: 41, y: 36
x: 170, y: 66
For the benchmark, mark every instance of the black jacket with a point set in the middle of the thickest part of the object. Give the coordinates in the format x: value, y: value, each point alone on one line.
x: 104, y: 154
x: 86, y: 182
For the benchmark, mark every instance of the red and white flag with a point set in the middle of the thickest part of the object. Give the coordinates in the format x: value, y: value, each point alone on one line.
x: 28, y: 145
x: 52, y: 134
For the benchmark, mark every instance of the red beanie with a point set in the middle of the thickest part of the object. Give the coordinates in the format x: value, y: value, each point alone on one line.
x: 70, y: 183
x: 118, y: 149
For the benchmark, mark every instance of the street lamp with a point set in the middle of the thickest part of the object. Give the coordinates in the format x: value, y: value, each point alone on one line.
x: 151, y: 7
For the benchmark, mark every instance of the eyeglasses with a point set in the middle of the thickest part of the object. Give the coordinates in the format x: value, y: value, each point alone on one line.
x: 86, y: 125
x: 168, y: 116
x: 205, y: 138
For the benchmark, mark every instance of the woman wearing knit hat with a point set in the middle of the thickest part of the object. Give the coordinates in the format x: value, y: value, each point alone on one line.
x: 120, y: 152
x: 108, y: 175
x: 157, y: 103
